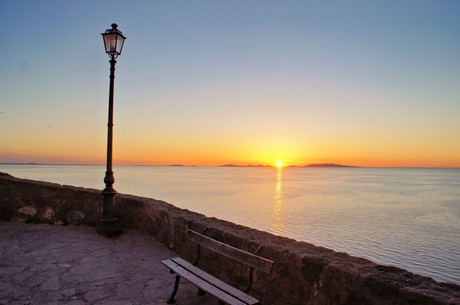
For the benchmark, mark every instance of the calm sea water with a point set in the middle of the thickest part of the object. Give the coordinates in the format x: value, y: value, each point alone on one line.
x: 408, y: 218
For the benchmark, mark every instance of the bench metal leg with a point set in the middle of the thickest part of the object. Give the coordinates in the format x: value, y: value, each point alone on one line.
x: 176, y: 286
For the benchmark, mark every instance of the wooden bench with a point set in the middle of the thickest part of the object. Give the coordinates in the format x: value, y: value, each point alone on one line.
x: 210, y: 284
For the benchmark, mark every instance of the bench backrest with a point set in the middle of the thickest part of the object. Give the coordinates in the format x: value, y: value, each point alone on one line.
x: 246, y: 258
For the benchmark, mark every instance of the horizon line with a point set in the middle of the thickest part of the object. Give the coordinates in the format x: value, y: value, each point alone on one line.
x: 311, y: 165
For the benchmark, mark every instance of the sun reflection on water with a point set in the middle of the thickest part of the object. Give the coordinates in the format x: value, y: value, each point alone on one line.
x: 277, y: 217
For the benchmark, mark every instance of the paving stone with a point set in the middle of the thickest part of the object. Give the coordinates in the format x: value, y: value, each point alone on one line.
x: 66, y: 265
x: 129, y: 290
x: 97, y: 295
x: 51, y: 284
x: 111, y: 302
x: 11, y: 270
x: 76, y: 302
x: 68, y: 293
x: 43, y: 297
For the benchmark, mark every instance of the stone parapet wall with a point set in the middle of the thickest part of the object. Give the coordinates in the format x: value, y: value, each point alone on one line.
x: 302, y: 273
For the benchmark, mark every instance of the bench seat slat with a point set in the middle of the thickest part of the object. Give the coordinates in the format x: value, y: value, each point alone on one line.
x: 241, y: 256
x: 202, y: 283
x: 224, y: 286
x: 209, y: 283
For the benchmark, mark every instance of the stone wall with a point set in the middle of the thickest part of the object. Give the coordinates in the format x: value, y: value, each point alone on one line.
x: 302, y: 273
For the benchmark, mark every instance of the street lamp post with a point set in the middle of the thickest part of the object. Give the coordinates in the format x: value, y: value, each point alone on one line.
x: 108, y: 226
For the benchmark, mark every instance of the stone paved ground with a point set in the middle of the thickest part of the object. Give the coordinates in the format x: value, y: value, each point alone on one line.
x: 45, y: 264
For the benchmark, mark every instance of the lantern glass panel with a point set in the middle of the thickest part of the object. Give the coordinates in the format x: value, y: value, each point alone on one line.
x: 113, y: 41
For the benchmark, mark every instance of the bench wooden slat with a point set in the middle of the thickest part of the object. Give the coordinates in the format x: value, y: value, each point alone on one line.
x: 241, y: 256
x: 213, y: 280
x: 201, y: 283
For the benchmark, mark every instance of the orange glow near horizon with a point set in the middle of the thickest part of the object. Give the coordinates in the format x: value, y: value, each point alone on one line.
x: 167, y: 149
x: 217, y: 154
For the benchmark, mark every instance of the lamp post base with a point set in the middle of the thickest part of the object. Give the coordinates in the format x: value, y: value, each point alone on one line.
x: 108, y: 224
x: 109, y: 228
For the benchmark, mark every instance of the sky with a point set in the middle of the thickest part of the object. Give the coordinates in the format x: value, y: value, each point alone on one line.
x: 364, y: 83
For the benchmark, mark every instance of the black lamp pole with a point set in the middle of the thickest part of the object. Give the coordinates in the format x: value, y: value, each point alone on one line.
x: 108, y: 226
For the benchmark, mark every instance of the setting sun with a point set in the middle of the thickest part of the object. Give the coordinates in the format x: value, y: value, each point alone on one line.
x: 279, y: 164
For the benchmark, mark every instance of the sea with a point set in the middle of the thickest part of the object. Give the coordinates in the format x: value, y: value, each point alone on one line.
x: 404, y: 217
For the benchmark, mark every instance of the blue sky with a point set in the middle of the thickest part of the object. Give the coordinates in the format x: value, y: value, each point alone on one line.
x: 372, y: 83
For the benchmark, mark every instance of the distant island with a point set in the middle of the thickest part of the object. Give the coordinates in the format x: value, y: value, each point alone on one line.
x: 19, y: 163
x: 325, y: 165
x: 294, y: 166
